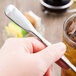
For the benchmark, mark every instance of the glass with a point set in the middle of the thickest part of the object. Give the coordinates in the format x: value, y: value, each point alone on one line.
x: 70, y: 43
x: 74, y: 0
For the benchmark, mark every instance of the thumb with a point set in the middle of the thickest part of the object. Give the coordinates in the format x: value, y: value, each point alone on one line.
x: 52, y: 53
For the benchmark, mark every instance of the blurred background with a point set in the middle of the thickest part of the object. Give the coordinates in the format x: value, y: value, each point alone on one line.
x: 52, y: 21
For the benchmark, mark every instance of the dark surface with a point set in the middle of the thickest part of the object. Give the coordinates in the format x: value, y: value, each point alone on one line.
x: 57, y: 2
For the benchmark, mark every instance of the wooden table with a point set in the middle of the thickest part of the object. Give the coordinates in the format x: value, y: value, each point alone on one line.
x: 53, y: 24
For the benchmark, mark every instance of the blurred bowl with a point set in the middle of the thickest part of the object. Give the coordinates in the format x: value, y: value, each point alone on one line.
x: 55, y: 9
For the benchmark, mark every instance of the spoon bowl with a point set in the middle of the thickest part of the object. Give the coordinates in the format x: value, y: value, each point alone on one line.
x: 20, y: 20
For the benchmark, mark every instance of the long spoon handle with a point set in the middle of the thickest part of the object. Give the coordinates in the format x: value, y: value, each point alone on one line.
x: 15, y: 15
x: 63, y: 58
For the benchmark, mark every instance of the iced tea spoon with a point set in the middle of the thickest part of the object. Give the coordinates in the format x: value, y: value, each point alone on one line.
x: 15, y: 15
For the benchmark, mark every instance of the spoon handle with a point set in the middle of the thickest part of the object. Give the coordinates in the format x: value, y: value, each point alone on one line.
x: 63, y: 58
x: 15, y: 15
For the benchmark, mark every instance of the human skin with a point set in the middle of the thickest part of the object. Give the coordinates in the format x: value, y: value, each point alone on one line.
x: 29, y: 57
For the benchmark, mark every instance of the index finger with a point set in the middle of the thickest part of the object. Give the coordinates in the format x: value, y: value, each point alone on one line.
x: 36, y: 44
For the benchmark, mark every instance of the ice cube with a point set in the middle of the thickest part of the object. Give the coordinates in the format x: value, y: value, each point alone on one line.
x: 72, y: 30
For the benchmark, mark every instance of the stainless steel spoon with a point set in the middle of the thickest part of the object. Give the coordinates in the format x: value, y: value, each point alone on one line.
x: 15, y: 15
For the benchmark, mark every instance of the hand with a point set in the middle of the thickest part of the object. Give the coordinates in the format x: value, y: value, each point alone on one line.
x: 28, y: 57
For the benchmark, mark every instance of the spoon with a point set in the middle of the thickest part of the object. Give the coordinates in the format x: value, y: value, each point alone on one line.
x: 71, y: 11
x: 15, y: 15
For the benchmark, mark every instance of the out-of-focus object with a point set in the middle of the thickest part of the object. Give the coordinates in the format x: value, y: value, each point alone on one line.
x: 34, y: 19
x: 69, y: 38
x: 55, y: 6
x: 57, y: 2
x: 13, y: 30
x: 71, y: 11
x: 73, y: 8
x: 36, y: 22
x: 74, y: 0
